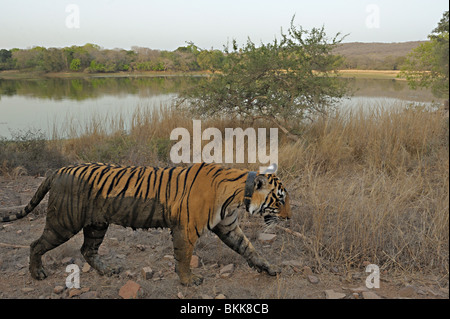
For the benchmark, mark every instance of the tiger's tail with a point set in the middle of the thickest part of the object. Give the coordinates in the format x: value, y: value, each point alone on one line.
x: 12, y: 213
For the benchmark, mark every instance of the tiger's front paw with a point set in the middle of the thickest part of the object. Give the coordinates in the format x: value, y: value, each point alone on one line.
x: 265, y: 266
x: 273, y: 270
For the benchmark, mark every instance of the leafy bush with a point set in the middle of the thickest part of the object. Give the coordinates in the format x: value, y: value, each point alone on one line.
x: 282, y: 82
x: 30, y: 150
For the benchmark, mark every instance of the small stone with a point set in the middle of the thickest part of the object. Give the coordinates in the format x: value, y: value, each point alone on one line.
x: 313, y: 279
x: 58, y: 289
x: 334, y: 269
x: 307, y: 271
x: 130, y: 274
x: 370, y: 295
x: 220, y: 296
x: 74, y: 292
x: 180, y: 295
x: 147, y: 273
x: 228, y: 269
x: 356, y: 295
x: 27, y: 289
x: 331, y: 294
x: 266, y: 238
x: 195, y: 261
x: 19, y: 266
x: 140, y: 247
x: 89, y: 295
x: 421, y: 292
x: 169, y: 257
x: 130, y: 290
x: 407, y: 291
x: 67, y: 260
x: 86, y: 267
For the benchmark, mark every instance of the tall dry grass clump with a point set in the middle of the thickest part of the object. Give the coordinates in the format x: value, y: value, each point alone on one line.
x: 373, y: 187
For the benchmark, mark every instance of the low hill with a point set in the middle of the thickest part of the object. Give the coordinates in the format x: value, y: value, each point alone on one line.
x: 376, y: 55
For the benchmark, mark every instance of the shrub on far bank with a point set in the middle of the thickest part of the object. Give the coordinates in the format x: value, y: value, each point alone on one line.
x: 30, y: 150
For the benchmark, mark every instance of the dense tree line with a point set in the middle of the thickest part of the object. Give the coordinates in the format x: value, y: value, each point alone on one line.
x: 91, y: 58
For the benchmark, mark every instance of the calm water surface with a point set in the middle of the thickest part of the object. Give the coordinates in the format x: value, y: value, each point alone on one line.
x: 42, y: 104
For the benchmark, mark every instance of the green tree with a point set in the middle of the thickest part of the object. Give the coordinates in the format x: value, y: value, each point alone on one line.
x: 210, y: 60
x: 97, y: 67
x: 283, y: 81
x: 75, y: 65
x: 427, y: 65
x: 52, y: 60
x: 6, y: 61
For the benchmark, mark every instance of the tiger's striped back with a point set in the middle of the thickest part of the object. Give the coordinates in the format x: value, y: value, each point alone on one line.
x: 144, y: 197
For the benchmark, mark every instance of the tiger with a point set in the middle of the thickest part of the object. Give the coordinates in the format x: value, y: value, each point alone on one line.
x: 188, y: 200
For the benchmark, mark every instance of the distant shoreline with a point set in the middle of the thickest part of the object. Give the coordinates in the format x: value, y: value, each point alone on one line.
x: 16, y: 75
x: 371, y: 74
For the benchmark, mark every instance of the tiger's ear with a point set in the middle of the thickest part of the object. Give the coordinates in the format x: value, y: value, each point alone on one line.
x: 272, y: 169
x: 260, y: 182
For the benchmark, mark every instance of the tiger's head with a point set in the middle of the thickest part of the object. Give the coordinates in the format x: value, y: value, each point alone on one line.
x: 266, y: 195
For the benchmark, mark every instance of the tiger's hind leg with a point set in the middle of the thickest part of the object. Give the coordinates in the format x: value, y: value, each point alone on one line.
x: 50, y: 238
x: 93, y: 237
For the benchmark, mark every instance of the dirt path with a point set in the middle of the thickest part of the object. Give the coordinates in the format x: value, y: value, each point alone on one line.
x: 135, y: 250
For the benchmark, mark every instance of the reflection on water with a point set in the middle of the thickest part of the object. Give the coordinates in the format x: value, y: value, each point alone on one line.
x: 40, y: 103
x: 80, y: 89
x: 375, y: 88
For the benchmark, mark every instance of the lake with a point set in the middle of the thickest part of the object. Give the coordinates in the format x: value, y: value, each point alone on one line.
x: 45, y: 103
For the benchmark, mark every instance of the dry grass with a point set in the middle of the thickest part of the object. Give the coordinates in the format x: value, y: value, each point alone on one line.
x: 365, y: 186
x: 374, y: 187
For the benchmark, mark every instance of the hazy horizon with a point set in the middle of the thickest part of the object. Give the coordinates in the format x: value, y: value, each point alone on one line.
x: 166, y: 25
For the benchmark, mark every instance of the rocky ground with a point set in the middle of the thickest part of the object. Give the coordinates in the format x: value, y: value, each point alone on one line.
x: 148, y: 265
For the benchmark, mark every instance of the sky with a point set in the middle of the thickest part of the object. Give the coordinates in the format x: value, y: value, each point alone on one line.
x: 168, y: 24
